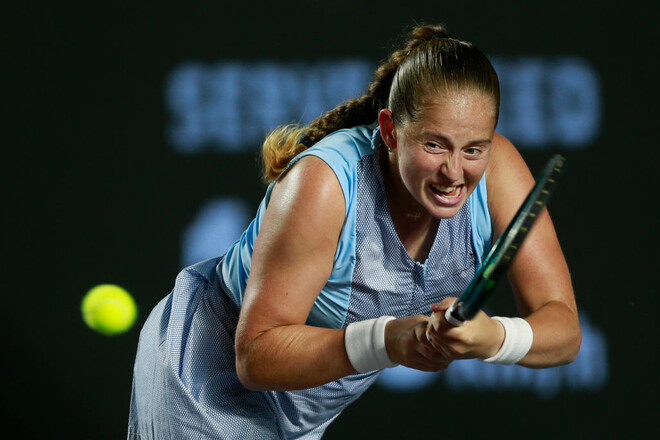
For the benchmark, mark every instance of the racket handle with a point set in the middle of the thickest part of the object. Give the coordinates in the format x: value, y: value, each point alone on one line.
x: 452, y: 317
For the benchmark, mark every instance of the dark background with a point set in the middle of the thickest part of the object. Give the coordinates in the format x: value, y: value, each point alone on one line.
x: 95, y: 194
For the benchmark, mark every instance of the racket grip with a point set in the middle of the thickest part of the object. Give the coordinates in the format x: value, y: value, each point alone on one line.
x: 452, y: 318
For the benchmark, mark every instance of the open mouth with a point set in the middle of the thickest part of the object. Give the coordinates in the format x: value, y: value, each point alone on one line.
x: 447, y: 192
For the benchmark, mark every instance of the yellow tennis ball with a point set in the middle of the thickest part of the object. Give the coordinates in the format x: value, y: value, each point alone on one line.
x: 109, y: 309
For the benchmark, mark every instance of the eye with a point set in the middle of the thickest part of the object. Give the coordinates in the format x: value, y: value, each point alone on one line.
x: 473, y: 151
x: 433, y: 147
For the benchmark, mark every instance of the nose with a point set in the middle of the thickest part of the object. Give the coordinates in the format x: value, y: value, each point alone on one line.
x: 451, y: 168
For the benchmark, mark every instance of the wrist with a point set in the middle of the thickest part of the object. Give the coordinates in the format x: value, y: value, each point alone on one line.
x: 518, y: 338
x: 365, y: 344
x: 498, y: 339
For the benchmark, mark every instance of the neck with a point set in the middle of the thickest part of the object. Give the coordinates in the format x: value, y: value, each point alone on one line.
x: 415, y: 227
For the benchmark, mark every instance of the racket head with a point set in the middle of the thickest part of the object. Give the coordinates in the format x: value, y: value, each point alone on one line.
x: 503, y: 252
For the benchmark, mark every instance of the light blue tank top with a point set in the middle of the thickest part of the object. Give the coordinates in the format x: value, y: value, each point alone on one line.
x: 369, y: 246
x: 185, y: 383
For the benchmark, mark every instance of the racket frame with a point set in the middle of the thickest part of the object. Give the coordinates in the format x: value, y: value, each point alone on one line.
x: 503, y: 252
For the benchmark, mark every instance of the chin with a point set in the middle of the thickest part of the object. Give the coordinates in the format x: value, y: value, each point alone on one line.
x: 446, y: 211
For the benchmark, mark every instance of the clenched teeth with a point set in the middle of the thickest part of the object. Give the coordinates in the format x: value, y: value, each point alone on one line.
x: 448, y: 192
x: 444, y: 189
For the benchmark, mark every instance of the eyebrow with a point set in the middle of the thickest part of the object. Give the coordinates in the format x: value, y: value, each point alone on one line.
x: 447, y: 140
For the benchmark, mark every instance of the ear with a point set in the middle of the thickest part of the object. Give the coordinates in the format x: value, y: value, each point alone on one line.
x: 387, y: 132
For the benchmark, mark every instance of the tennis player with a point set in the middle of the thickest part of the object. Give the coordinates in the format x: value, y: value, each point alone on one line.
x: 376, y: 218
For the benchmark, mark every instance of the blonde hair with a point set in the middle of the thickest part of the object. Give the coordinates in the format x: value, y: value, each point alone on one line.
x: 281, y: 145
x: 430, y: 61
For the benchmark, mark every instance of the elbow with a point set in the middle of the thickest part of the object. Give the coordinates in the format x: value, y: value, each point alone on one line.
x: 575, y: 341
x: 250, y: 370
x: 571, y: 348
x: 574, y: 346
x: 247, y: 374
x: 247, y: 377
x: 572, y: 340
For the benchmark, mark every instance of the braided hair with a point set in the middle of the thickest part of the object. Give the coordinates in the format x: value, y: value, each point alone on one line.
x: 431, y: 61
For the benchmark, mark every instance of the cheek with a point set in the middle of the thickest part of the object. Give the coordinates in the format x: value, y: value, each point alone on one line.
x: 474, y: 173
x: 415, y: 177
x: 418, y: 166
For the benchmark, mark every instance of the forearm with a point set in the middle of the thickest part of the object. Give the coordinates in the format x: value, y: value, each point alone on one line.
x: 557, y: 336
x: 293, y: 357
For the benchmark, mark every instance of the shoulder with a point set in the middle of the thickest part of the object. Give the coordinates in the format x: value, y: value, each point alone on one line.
x: 504, y: 157
x: 307, y: 195
x: 344, y: 146
x: 311, y: 177
x: 508, y: 180
x: 341, y: 152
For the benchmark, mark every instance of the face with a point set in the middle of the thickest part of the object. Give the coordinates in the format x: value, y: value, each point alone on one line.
x: 437, y: 161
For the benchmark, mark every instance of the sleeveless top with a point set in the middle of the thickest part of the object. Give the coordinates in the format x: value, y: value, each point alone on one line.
x: 371, y: 265
x: 185, y: 383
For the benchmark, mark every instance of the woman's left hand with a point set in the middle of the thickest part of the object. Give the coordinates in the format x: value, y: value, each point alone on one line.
x: 481, y: 337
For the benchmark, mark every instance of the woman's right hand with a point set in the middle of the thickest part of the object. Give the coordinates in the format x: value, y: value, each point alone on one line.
x: 407, y: 344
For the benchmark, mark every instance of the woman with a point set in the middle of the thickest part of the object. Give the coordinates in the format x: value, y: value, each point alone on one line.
x: 360, y: 237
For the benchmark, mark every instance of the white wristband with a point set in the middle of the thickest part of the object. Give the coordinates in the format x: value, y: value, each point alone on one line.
x: 518, y: 337
x: 365, y: 344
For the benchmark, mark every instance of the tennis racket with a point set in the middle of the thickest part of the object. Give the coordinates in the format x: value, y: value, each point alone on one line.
x: 501, y: 255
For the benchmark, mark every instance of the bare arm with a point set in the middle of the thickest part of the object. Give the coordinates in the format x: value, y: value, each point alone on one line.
x: 292, y: 260
x: 539, y: 274
x: 539, y: 277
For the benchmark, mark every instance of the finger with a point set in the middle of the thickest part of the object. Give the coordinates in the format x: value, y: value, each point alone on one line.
x: 422, y: 332
x: 441, y: 351
x: 427, y: 351
x: 443, y: 305
x: 439, y: 355
x: 427, y: 348
x: 438, y: 324
x: 435, y: 321
x: 432, y: 349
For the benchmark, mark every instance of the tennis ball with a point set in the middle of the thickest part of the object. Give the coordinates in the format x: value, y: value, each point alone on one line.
x: 108, y: 309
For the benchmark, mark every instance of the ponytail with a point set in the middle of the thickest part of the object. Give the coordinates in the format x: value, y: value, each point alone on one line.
x: 427, y: 65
